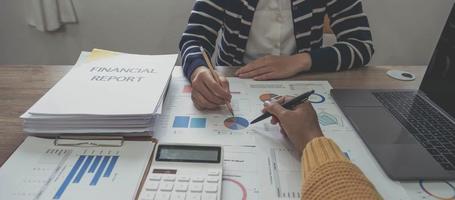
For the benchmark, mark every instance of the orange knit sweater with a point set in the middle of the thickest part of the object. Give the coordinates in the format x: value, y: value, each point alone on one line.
x: 328, y: 174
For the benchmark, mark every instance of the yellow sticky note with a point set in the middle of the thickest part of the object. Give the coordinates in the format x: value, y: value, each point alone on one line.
x: 101, y: 53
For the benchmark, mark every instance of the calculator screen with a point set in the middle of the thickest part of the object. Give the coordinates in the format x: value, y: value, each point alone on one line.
x: 183, y: 153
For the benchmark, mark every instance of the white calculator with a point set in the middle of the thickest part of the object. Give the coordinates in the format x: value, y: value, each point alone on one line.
x: 184, y: 172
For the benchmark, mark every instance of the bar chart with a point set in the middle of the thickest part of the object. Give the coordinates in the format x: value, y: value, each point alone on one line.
x: 285, y: 168
x: 44, y: 170
x: 92, y: 167
x: 189, y: 122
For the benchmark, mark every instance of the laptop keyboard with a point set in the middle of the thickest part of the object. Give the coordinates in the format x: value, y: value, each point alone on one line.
x: 432, y: 129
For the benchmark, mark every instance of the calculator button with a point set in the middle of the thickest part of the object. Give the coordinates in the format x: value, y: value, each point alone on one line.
x: 198, y: 179
x: 193, y: 196
x: 155, y: 177
x: 178, y: 196
x: 214, y: 173
x: 209, y: 197
x: 148, y: 195
x: 169, y: 178
x: 196, y: 187
x: 163, y: 196
x: 152, y: 186
x: 166, y: 187
x: 181, y: 187
x: 211, y: 188
x: 183, y: 179
x: 213, y: 179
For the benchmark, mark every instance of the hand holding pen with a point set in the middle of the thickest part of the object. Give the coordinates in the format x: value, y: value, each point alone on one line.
x: 299, y: 124
x: 206, y: 92
x: 288, y: 105
x: 215, y: 76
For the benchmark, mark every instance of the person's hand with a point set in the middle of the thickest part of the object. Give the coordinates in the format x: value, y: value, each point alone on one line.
x: 299, y: 125
x: 206, y: 92
x: 275, y: 67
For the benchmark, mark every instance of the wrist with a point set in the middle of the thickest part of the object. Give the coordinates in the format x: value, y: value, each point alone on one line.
x: 312, y: 135
x: 197, y: 71
x: 303, y: 61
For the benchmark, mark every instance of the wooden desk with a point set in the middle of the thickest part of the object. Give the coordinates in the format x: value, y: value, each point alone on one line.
x: 21, y: 86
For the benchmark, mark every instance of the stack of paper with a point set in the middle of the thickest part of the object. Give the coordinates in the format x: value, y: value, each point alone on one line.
x: 106, y: 93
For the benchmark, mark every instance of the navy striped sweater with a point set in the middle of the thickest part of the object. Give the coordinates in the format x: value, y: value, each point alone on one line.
x: 354, y: 46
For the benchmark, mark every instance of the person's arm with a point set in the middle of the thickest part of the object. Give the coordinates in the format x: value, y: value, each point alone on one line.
x: 328, y: 174
x: 354, y: 46
x: 202, y: 29
x: 204, y: 23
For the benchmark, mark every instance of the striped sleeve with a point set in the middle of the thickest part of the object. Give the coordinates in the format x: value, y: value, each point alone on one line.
x: 204, y: 23
x: 354, y: 46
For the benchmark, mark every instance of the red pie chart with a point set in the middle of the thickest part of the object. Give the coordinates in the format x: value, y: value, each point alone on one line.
x: 236, y: 123
x: 268, y: 96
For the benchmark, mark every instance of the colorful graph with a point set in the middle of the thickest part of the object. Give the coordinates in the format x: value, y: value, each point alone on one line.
x: 189, y: 122
x: 98, y: 166
x: 236, y: 123
x: 268, y: 96
x: 426, y: 190
x: 317, y: 98
x: 198, y: 122
x: 240, y: 185
x: 327, y: 119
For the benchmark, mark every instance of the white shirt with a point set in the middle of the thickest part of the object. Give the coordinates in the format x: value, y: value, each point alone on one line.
x: 272, y: 30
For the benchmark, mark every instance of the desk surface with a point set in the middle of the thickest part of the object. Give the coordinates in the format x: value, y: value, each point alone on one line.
x: 21, y: 86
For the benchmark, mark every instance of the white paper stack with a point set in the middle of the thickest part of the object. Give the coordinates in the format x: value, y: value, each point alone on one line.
x: 105, y: 93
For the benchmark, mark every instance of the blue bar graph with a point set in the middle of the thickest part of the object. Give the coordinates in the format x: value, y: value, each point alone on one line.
x: 99, y: 171
x: 95, y: 164
x: 198, y: 122
x: 181, y: 122
x: 68, y: 178
x: 110, y: 167
x: 83, y: 169
x: 99, y: 166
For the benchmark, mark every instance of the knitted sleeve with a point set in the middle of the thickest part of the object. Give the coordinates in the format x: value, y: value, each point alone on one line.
x: 328, y: 174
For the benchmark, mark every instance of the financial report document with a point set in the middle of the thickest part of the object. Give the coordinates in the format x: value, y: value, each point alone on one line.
x: 105, y: 92
x: 103, y: 86
x: 40, y: 170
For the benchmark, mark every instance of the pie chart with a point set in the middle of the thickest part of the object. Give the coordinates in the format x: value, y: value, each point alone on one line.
x: 316, y: 98
x: 268, y: 96
x: 236, y: 123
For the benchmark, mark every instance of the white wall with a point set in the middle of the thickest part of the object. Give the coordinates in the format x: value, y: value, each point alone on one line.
x: 135, y: 26
x: 404, y: 31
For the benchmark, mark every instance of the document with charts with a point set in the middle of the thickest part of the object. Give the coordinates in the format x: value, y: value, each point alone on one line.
x: 40, y: 170
x: 278, y: 170
x: 183, y: 121
x: 279, y: 165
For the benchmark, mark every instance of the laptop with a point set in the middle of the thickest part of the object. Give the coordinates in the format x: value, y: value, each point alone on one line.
x: 411, y: 133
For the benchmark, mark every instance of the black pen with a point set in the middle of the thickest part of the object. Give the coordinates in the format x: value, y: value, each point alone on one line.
x: 288, y: 105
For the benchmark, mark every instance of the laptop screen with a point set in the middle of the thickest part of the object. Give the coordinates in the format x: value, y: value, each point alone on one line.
x: 439, y: 80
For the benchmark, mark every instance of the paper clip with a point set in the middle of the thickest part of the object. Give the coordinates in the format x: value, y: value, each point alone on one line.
x: 89, y: 141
